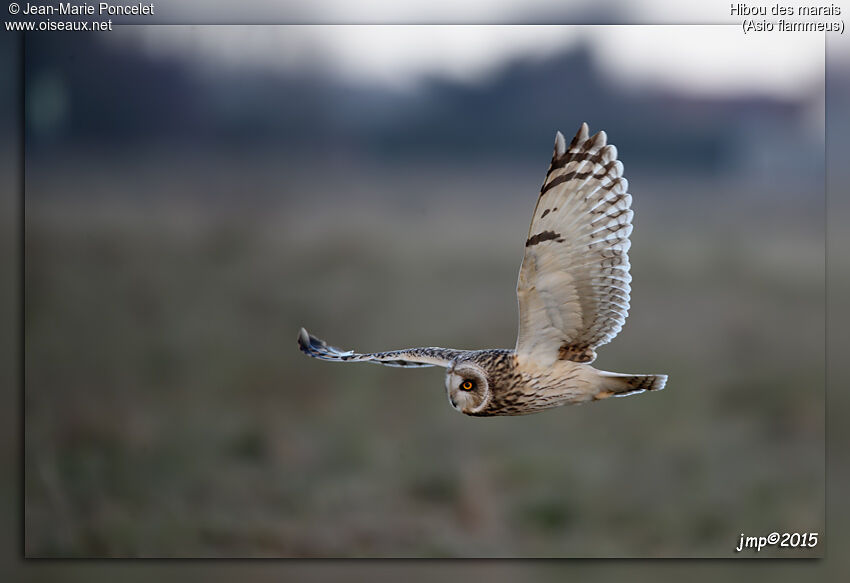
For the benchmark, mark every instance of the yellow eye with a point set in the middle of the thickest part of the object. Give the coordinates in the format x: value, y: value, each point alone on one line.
x: 467, y: 385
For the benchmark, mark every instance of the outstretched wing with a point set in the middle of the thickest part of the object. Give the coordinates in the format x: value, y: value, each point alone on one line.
x: 412, y: 357
x: 573, y: 288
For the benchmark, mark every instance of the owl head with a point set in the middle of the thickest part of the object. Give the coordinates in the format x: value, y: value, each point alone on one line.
x: 468, y: 387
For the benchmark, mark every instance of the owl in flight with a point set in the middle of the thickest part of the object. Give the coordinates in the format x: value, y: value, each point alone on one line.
x: 573, y: 295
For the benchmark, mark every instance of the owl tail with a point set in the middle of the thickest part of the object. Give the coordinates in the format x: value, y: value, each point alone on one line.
x: 622, y: 385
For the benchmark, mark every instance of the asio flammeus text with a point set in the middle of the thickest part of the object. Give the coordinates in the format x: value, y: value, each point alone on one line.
x: 573, y: 294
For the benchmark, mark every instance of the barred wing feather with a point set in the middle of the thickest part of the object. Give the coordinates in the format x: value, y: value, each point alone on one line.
x: 573, y: 288
x: 411, y: 357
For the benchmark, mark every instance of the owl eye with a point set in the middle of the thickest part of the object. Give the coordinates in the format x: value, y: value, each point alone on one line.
x: 467, y: 385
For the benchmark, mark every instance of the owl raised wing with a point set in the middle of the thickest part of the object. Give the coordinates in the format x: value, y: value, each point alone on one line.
x: 573, y: 288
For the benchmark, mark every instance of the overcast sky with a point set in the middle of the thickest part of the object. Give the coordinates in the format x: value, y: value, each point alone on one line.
x: 701, y: 60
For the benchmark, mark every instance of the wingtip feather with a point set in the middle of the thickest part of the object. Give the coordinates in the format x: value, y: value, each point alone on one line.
x: 311, y: 345
x: 599, y: 139
x: 560, y: 144
x: 303, y: 339
x: 581, y: 135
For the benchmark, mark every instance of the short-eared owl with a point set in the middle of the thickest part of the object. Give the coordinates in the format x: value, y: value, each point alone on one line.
x: 573, y: 294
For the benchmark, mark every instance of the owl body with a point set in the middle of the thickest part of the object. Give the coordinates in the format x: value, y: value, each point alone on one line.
x: 573, y: 292
x: 504, y: 384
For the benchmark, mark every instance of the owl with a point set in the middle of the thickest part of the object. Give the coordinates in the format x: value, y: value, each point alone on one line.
x: 573, y: 295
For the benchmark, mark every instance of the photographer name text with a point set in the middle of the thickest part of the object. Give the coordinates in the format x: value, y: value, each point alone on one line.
x: 99, y: 9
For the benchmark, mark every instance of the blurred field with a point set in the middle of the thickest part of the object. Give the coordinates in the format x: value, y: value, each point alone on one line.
x: 169, y: 412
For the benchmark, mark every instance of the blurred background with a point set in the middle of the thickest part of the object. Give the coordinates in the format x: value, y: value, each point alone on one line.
x: 194, y: 195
